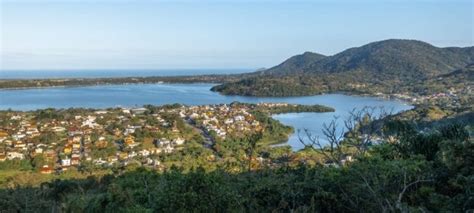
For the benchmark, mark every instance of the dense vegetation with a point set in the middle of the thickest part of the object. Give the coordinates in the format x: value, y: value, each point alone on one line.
x: 296, y: 63
x: 297, y: 108
x: 431, y: 171
x: 278, y: 108
x: 301, y: 85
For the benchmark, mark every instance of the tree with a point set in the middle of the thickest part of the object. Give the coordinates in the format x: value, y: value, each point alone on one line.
x: 250, y: 150
x: 358, y: 132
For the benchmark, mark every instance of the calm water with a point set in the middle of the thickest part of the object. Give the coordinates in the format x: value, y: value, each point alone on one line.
x: 190, y: 94
x: 39, y: 74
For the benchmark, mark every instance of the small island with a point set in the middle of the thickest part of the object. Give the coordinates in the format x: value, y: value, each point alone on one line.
x: 279, y: 108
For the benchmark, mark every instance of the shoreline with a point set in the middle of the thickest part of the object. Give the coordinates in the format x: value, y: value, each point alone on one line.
x: 215, y: 79
x: 381, y: 97
x: 93, y: 85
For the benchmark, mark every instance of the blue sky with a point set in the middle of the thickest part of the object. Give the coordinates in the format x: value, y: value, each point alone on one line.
x: 153, y: 34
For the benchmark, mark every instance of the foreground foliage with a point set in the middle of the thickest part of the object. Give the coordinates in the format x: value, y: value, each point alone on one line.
x: 416, y: 172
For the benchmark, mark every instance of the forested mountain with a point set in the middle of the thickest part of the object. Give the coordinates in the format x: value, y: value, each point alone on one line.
x: 384, y: 65
x: 294, y: 64
x: 389, y: 57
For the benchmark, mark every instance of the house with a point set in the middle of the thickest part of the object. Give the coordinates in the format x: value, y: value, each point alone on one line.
x: 331, y: 163
x: 67, y: 150
x: 100, y: 112
x: 58, y: 129
x: 30, y: 144
x: 154, y: 150
x: 32, y: 132
x: 39, y: 150
x: 46, y: 169
x: 129, y: 140
x: 144, y: 153
x: 229, y: 121
x: 89, y: 123
x: 75, y: 161
x: 101, y: 143
x: 239, y: 118
x: 15, y: 155
x: 168, y: 149
x: 3, y: 135
x: 112, y: 159
x: 20, y: 145
x: 179, y: 141
x: 162, y: 142
x: 148, y: 161
x: 74, y: 131
x: 132, y: 154
x: 117, y: 132
x: 66, y: 162
x: 76, y: 146
x: 15, y: 117
x: 129, y: 131
x: 99, y: 161
x: 347, y: 158
x: 18, y: 137
x: 138, y: 110
x: 76, y: 139
x: 8, y: 142
x: 123, y: 155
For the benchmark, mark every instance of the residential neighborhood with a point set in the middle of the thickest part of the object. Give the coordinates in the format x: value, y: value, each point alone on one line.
x: 55, y: 141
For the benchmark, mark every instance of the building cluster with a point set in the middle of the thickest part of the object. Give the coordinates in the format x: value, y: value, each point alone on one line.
x: 96, y: 138
x: 272, y: 105
x: 450, y: 98
x: 77, y: 139
x: 223, y: 120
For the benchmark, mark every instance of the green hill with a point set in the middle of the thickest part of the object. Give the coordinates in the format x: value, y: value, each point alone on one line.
x: 401, y: 58
x: 383, y: 66
x: 294, y: 64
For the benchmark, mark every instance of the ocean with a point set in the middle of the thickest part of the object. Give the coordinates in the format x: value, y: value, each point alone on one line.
x: 42, y: 74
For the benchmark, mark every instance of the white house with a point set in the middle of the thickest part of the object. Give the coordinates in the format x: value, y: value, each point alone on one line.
x: 179, y: 141
x: 66, y: 162
x: 13, y: 155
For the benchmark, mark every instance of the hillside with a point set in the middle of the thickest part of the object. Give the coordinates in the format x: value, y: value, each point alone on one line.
x: 401, y: 58
x: 384, y: 66
x: 466, y: 72
x: 294, y: 64
x: 419, y: 172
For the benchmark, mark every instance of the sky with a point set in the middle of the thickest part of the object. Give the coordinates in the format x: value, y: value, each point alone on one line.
x: 227, y: 34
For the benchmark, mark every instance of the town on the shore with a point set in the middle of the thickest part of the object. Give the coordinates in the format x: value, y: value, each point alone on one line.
x: 54, y: 141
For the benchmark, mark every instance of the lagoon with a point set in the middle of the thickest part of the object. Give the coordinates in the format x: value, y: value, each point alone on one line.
x: 131, y: 95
